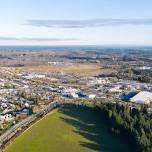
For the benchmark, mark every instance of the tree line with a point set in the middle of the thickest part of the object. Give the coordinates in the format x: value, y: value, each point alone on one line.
x: 135, y: 124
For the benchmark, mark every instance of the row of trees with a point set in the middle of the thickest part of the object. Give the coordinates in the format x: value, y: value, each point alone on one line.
x: 133, y: 123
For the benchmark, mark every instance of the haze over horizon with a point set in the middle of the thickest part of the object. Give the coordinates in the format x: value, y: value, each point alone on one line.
x: 56, y: 22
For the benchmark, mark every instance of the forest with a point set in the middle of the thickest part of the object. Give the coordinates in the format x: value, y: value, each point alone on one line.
x: 135, y: 124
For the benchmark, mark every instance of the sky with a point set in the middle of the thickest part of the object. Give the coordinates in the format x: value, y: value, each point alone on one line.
x: 75, y: 22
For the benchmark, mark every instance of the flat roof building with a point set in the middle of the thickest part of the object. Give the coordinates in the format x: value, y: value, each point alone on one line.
x: 142, y: 97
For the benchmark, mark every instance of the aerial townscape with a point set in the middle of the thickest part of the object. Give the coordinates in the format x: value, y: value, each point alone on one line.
x: 75, y: 76
x: 32, y: 78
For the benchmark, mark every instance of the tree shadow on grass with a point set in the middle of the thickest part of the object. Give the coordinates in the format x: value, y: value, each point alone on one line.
x: 89, y: 124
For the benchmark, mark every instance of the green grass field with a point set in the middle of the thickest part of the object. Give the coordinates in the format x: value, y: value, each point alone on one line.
x: 70, y: 129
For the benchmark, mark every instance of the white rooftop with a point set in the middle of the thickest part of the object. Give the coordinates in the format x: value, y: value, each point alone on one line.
x: 142, y: 97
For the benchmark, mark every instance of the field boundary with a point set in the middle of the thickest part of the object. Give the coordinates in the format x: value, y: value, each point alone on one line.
x: 19, y: 128
x: 26, y: 129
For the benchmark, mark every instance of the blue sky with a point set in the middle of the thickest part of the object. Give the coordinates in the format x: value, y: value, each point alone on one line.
x: 78, y: 22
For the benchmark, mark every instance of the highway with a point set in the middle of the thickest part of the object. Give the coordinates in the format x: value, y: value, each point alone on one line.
x: 5, y: 137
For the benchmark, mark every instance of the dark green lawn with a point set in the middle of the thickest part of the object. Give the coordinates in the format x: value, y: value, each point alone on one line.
x: 71, y: 129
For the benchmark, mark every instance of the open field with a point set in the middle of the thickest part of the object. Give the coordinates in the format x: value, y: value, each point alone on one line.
x: 71, y: 129
x: 75, y: 69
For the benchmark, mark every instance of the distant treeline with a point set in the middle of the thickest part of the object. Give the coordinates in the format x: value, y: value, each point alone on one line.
x: 134, y: 124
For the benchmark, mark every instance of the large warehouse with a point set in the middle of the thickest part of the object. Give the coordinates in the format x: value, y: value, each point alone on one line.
x: 142, y: 97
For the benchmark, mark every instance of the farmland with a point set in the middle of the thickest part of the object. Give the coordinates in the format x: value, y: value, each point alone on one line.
x: 71, y: 128
x: 75, y: 69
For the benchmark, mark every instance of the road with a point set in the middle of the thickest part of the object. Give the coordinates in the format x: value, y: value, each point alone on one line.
x: 4, y: 138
